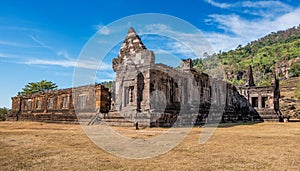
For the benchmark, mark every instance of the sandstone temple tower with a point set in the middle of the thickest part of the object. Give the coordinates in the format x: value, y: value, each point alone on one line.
x: 132, y: 67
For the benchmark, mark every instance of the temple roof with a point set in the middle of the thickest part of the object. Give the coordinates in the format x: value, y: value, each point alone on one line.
x: 131, y: 45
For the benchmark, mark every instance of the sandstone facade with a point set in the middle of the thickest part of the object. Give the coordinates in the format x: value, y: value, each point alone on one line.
x: 159, y: 95
x: 60, y: 105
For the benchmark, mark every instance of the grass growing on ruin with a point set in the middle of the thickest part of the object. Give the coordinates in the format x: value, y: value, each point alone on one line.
x: 42, y: 146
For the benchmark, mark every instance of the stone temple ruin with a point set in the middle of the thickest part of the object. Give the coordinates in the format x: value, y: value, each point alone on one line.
x: 60, y: 105
x: 153, y: 95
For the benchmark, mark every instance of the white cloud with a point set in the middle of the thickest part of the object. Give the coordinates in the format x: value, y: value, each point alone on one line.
x: 264, y: 4
x: 189, y: 44
x: 264, y: 8
x: 240, y: 30
x: 64, y: 53
x: 236, y: 30
x: 63, y: 63
x: 224, y: 42
x: 42, y: 44
x: 8, y: 43
x: 105, y: 76
x: 87, y: 64
x: 217, y: 4
x: 103, y: 30
x: 154, y: 27
x: 5, y: 55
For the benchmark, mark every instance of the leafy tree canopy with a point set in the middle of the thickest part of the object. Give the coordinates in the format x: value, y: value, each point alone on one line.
x: 36, y: 87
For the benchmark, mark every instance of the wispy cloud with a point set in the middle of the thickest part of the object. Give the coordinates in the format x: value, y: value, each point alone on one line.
x: 102, y: 29
x: 62, y: 63
x: 87, y: 64
x: 17, y: 28
x: 65, y: 54
x: 42, y: 44
x: 264, y: 8
x: 105, y: 76
x: 8, y: 43
x: 218, y: 4
x: 240, y: 30
x: 159, y: 27
x: 188, y: 44
x: 269, y: 16
x: 14, y: 56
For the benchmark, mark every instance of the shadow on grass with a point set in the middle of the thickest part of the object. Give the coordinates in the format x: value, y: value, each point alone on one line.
x: 226, y: 125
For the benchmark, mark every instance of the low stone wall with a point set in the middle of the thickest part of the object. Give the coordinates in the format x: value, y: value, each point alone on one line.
x: 42, y: 117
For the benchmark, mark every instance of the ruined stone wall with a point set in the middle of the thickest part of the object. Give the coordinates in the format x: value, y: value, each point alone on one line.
x: 263, y: 97
x: 60, y: 105
x: 263, y: 100
x: 167, y: 92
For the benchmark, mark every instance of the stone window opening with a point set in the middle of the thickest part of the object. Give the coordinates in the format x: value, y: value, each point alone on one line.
x: 65, y: 102
x: 50, y: 103
x: 254, y: 101
x: 82, y: 99
x: 126, y: 96
x: 152, y: 87
x: 38, y: 104
x: 264, y: 101
x: 24, y: 105
x: 27, y: 104
x: 140, y: 89
x: 131, y: 93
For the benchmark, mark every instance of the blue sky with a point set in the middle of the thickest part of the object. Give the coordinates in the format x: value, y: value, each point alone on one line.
x: 43, y: 39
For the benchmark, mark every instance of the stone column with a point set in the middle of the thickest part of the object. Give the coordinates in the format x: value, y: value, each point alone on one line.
x: 69, y: 101
x: 259, y: 101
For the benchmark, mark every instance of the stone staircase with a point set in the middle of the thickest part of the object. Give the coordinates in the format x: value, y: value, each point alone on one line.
x: 268, y: 115
x: 116, y: 119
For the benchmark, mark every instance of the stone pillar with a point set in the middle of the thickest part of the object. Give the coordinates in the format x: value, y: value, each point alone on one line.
x: 259, y: 101
x: 69, y: 100
x: 45, y: 104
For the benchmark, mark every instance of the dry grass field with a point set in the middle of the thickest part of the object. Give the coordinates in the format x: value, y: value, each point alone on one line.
x: 43, y: 146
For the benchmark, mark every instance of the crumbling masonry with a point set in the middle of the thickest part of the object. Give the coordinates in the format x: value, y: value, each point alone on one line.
x: 157, y: 95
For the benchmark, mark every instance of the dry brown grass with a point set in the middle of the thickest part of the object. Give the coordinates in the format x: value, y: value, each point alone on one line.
x: 41, y: 146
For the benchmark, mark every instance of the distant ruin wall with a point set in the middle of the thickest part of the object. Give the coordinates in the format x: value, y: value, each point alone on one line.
x: 60, y: 105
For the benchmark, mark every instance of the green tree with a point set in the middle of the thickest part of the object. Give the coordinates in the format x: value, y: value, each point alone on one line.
x: 3, y: 112
x: 108, y: 84
x: 36, y: 87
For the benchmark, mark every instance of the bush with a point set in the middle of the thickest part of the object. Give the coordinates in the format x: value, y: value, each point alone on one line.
x: 3, y: 113
x: 295, y: 69
x: 297, y: 91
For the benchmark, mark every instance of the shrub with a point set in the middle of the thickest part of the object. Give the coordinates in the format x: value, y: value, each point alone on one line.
x: 295, y: 69
x: 3, y: 113
x: 297, y: 92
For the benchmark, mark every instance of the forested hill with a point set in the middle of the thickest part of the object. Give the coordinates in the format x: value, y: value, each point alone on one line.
x: 263, y: 54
